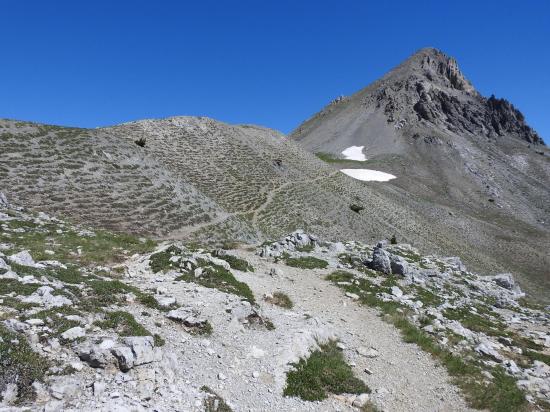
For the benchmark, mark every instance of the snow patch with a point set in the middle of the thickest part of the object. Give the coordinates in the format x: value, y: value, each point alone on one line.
x: 354, y: 153
x: 368, y: 175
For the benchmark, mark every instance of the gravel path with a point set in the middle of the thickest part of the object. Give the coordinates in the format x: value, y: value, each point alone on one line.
x: 247, y: 366
x: 404, y: 378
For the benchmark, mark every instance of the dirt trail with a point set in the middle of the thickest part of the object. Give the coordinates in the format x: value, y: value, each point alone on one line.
x: 187, y: 231
x: 404, y: 378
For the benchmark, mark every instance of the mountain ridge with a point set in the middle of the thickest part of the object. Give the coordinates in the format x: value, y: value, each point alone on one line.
x: 431, y: 67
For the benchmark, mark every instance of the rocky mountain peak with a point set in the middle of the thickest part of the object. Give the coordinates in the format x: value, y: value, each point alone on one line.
x: 430, y: 88
x: 437, y: 67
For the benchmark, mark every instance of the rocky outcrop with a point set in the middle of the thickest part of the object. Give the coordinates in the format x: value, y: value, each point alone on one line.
x: 504, y: 118
x: 490, y: 117
x: 437, y: 65
x: 296, y: 241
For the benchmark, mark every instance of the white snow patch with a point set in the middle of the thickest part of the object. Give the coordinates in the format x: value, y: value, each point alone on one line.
x: 355, y: 153
x: 368, y: 175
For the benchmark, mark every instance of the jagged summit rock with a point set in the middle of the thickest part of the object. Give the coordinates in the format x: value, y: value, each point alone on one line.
x: 440, y: 69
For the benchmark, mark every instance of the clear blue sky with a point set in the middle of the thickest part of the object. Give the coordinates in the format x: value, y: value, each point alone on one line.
x: 273, y: 63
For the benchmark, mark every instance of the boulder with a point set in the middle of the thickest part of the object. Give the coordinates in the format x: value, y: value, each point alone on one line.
x: 24, y: 258
x: 9, y: 394
x: 486, y: 348
x: 16, y: 325
x: 505, y: 280
x: 297, y: 239
x: 134, y: 351
x: 187, y: 317
x: 397, y: 292
x: 455, y: 327
x: 380, y: 260
x: 361, y: 400
x: 367, y: 352
x: 165, y: 301
x: 96, y: 355
x: 353, y: 296
x: 455, y: 263
x: 399, y: 266
x: 124, y: 357
x: 73, y: 333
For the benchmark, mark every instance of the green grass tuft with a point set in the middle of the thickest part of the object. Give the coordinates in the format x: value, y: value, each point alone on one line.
x: 160, y: 261
x: 306, y: 262
x: 237, y: 263
x: 123, y: 323
x: 280, y: 299
x: 14, y: 286
x: 159, y: 341
x: 56, y: 319
x: 20, y: 364
x: 324, y: 372
x: 217, y: 277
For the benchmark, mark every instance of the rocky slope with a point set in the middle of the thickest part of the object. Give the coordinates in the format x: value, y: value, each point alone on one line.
x: 172, y: 327
x: 450, y: 148
x: 198, y: 179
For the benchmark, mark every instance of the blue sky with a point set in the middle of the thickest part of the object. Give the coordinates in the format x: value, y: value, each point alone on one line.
x: 273, y: 63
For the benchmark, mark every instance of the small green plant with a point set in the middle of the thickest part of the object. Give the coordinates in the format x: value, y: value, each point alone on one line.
x: 369, y: 407
x: 532, y: 355
x: 324, y: 372
x: 280, y: 299
x: 107, y: 292
x: 141, y: 142
x: 356, y: 208
x: 305, y: 248
x: 20, y: 365
x: 306, y: 262
x: 56, y: 318
x: 217, y: 277
x: 474, y: 321
x: 160, y: 261
x: 159, y: 341
x: 236, y: 263
x: 123, y: 323
x: 205, y: 329
x: 70, y: 245
x: 14, y: 286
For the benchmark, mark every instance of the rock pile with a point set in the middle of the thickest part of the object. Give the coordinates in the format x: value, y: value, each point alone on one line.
x: 296, y: 241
